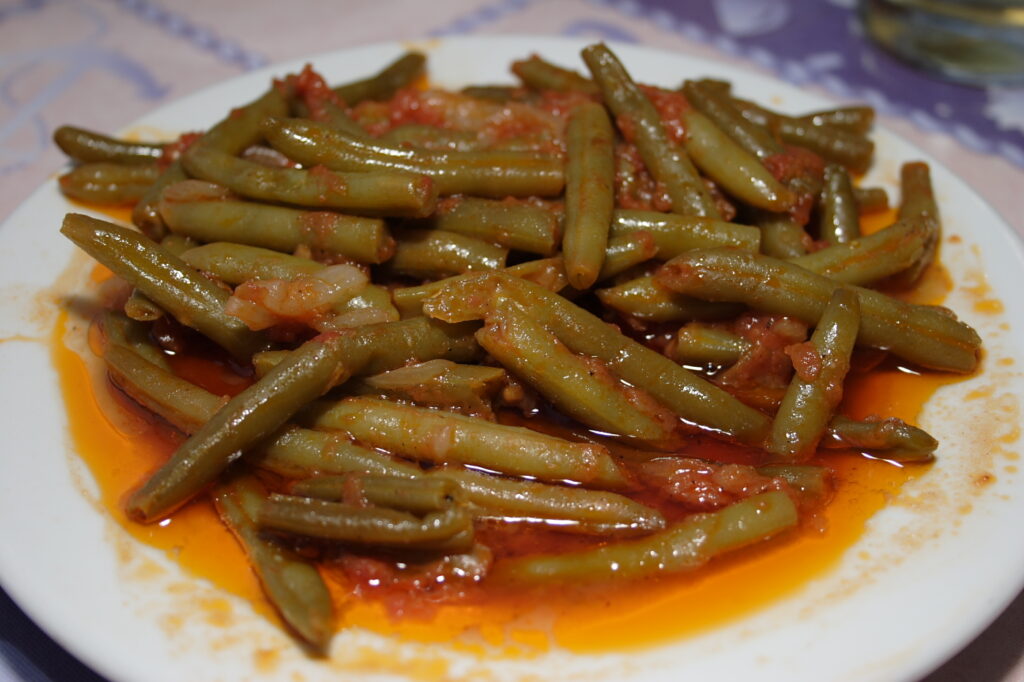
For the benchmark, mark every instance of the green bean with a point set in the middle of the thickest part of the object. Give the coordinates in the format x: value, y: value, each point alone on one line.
x: 718, y: 107
x: 184, y: 405
x: 241, y: 128
x: 366, y: 240
x: 432, y: 137
x: 926, y: 335
x: 373, y: 297
x: 871, y: 199
x: 177, y: 244
x: 383, y: 85
x: 582, y: 388
x: 493, y: 93
x: 122, y: 331
x: 589, y: 193
x: 108, y: 184
x: 674, y: 234
x: 484, y: 173
x: 734, y: 169
x: 375, y: 526
x: 436, y: 383
x: 236, y: 263
x: 420, y: 495
x: 574, y: 509
x: 292, y: 583
x: 640, y: 122
x: 624, y: 252
x: 442, y: 437
x: 86, y: 146
x: 140, y: 308
x: 817, y: 388
x: 241, y: 424
x: 858, y: 119
x: 889, y: 438
x: 146, y: 213
x: 917, y: 202
x: 167, y: 280
x: 515, y: 225
x: 698, y: 344
x: 378, y: 193
x: 872, y: 258
x: 644, y: 299
x: 781, y: 236
x: 539, y: 74
x: 810, y: 482
x: 294, y: 452
x: 431, y: 254
x: 839, y: 221
x: 834, y: 144
x: 697, y: 401
x: 684, y: 546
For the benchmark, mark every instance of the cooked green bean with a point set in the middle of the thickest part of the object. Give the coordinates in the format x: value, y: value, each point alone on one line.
x: 292, y: 583
x: 235, y: 263
x: 697, y: 401
x: 858, y: 119
x: 624, y: 252
x: 294, y: 452
x: 582, y: 388
x: 450, y: 529
x: 108, y: 184
x: 432, y: 254
x: 816, y: 389
x: 781, y: 236
x: 146, y: 213
x: 674, y: 234
x: 377, y: 193
x: 718, y: 107
x: 538, y: 74
x: 917, y: 203
x: 120, y: 330
x: 241, y: 424
x: 872, y: 258
x: 373, y: 297
x: 871, y: 199
x: 139, y: 307
x: 644, y: 299
x: 734, y: 169
x: 443, y: 437
x: 589, y: 193
x: 483, y: 173
x: 926, y: 335
x: 86, y: 146
x: 383, y: 85
x: 420, y: 495
x: 888, y: 438
x: 812, y: 483
x: 575, y: 509
x: 698, y: 344
x: 684, y: 546
x: 432, y: 137
x: 639, y: 121
x: 366, y: 240
x: 241, y: 128
x: 166, y: 279
x: 515, y: 225
x: 436, y: 383
x: 839, y: 220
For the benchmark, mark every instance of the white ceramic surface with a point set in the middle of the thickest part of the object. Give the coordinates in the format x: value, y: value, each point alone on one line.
x: 926, y: 577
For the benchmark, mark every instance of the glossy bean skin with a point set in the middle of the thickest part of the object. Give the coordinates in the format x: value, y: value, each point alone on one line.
x: 840, y: 218
x: 781, y: 236
x: 698, y: 402
x: 482, y: 173
x: 817, y: 388
x: 674, y: 234
x: 420, y: 495
x: 292, y: 583
x: 871, y: 199
x: 539, y: 74
x: 383, y: 85
x: 166, y: 280
x: 86, y: 146
x: 579, y: 387
x: 108, y: 184
x: 697, y: 344
x: 375, y: 193
x: 684, y: 546
x: 718, y: 107
x: 146, y: 212
x: 514, y: 225
x: 858, y: 119
x: 240, y: 425
x: 645, y: 299
x: 925, y: 335
x: 366, y: 240
x: 122, y: 331
x: 234, y: 263
x: 666, y: 160
x: 589, y: 195
x: 890, y: 438
x: 440, y: 437
x: 917, y: 203
x: 433, y: 254
x: 873, y: 258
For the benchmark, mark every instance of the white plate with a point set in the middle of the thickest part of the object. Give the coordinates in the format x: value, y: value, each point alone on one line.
x: 926, y: 577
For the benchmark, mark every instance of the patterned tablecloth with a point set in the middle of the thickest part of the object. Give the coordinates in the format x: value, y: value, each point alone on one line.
x: 102, y: 63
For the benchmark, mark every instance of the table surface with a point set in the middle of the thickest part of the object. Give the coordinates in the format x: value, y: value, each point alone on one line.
x: 102, y: 63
